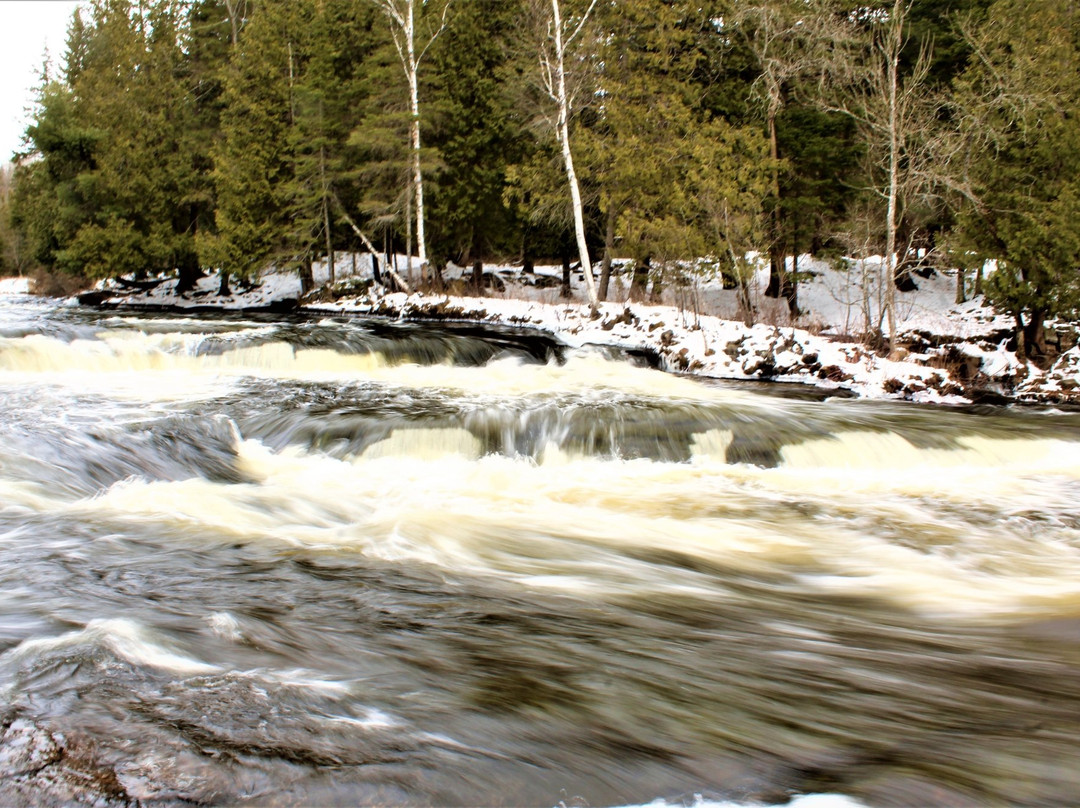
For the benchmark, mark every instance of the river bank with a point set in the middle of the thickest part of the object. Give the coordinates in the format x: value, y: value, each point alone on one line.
x: 946, y: 353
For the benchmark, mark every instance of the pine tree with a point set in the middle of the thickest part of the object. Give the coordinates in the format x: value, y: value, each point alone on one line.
x: 252, y: 158
x: 701, y: 190
x: 48, y: 205
x: 477, y: 134
x: 1018, y: 101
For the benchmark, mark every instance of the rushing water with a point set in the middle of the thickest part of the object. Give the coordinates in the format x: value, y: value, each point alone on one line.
x: 286, y: 562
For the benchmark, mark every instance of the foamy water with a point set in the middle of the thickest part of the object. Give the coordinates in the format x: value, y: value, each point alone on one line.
x: 330, y: 562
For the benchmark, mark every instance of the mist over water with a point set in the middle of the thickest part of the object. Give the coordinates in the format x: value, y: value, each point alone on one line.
x: 280, y: 562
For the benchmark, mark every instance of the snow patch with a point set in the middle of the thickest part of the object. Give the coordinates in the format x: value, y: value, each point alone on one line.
x: 14, y: 286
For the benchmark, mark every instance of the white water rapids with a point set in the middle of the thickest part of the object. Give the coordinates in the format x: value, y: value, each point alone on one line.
x: 342, y: 562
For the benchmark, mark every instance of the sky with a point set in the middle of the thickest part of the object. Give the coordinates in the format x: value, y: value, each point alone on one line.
x: 28, y: 26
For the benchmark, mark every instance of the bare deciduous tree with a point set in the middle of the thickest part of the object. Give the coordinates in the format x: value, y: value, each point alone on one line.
x: 895, y: 112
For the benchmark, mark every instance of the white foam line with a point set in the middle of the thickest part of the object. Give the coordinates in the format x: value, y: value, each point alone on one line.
x: 126, y: 638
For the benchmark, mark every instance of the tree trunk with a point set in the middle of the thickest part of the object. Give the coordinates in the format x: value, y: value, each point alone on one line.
x: 331, y: 271
x: 375, y: 273
x: 527, y: 264
x: 408, y: 240
x: 776, y: 258
x: 640, y: 281
x: 223, y: 288
x: 895, y: 45
x: 777, y: 282
x: 609, y: 249
x: 961, y: 296
x: 478, y: 276
x: 412, y: 73
x: 563, y: 131
x: 1034, y: 344
x: 745, y: 301
x: 791, y: 286
x: 189, y: 273
x: 418, y: 177
x: 307, y: 279
x: 657, y: 292
x: 565, y: 290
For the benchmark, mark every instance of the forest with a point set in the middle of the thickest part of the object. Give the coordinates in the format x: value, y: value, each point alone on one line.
x: 180, y: 136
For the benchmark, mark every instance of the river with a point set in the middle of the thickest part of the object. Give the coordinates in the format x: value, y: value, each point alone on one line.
x: 279, y: 561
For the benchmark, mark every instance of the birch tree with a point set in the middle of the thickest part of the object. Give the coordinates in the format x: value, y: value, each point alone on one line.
x: 412, y: 40
x: 559, y: 44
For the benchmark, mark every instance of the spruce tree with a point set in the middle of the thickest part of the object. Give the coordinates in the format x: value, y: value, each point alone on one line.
x: 476, y: 132
x: 252, y: 157
x: 701, y: 189
x: 1018, y: 101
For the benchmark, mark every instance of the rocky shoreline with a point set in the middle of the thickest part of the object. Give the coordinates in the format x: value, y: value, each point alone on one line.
x: 926, y: 368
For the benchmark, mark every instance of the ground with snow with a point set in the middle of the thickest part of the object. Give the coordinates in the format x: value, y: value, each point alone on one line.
x: 948, y: 353
x: 14, y: 286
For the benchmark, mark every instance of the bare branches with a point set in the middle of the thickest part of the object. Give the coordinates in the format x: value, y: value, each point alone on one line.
x: 402, y: 16
x: 443, y: 19
x: 581, y: 24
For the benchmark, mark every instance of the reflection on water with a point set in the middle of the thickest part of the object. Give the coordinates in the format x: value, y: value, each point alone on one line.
x: 291, y: 562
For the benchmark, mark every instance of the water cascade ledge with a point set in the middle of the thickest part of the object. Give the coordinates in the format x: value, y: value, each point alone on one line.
x: 703, y: 345
x: 953, y: 357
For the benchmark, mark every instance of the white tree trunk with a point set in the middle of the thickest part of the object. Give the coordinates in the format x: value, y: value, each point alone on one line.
x: 894, y: 45
x: 414, y: 135
x: 563, y: 134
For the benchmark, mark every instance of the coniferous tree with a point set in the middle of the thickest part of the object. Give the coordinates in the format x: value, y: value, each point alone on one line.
x: 1018, y: 102
x: 701, y: 190
x: 478, y: 134
x: 48, y: 205
x: 785, y: 43
x: 252, y: 158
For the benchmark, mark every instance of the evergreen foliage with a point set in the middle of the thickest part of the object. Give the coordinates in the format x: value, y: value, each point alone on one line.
x: 1020, y: 100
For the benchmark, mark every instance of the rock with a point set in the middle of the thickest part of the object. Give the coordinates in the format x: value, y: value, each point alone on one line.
x: 834, y: 373
x: 93, y: 298
x: 25, y: 748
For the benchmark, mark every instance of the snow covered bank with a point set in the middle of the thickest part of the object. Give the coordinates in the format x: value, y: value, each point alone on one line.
x: 947, y: 353
x: 275, y: 291
x: 682, y: 341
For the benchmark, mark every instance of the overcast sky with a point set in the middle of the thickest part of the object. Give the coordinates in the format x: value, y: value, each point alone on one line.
x: 28, y: 26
